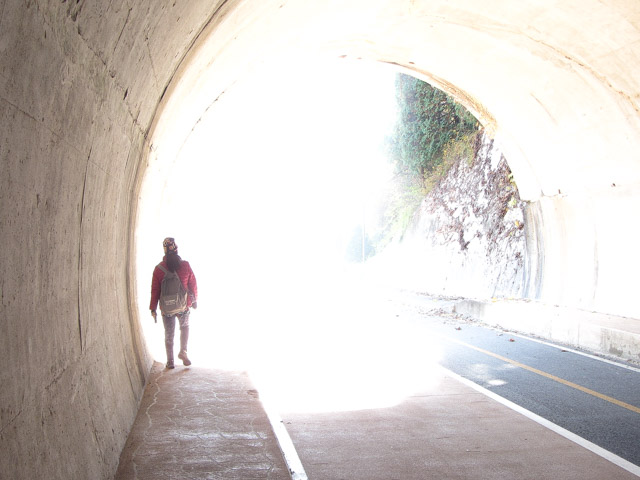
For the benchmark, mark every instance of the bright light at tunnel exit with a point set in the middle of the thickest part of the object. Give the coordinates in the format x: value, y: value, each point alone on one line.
x: 265, y: 197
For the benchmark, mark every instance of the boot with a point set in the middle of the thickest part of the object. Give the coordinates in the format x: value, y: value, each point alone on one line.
x: 183, y: 356
x: 170, y: 357
x: 169, y: 349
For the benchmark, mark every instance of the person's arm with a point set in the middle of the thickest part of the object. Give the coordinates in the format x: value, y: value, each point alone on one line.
x: 192, y: 288
x: 155, y: 291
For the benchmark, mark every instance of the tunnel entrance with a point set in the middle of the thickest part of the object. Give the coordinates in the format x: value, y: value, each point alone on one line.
x: 263, y: 199
x: 264, y: 196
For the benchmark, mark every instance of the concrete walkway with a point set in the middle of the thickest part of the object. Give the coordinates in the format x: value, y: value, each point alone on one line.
x: 196, y: 423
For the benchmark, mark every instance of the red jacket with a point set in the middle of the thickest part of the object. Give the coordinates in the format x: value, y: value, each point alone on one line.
x: 186, y: 276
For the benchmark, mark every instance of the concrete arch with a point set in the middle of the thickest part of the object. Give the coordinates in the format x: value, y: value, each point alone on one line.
x: 86, y: 91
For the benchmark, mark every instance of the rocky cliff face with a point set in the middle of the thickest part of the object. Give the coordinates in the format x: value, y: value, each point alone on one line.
x: 468, y: 237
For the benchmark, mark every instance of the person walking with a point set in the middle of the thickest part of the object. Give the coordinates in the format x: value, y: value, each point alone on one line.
x: 172, y: 262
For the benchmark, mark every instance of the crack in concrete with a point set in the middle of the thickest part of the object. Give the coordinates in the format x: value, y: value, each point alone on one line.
x: 2, y: 13
x: 134, y: 454
x: 124, y: 25
x: 204, y: 113
x: 81, y: 232
x: 110, y: 72
x: 56, y: 378
x: 41, y: 123
x: 153, y: 67
x: 546, y: 110
x: 180, y: 62
x: 575, y: 61
x: 11, y: 420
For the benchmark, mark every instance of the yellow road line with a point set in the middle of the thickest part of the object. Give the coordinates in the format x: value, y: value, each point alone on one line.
x: 553, y: 377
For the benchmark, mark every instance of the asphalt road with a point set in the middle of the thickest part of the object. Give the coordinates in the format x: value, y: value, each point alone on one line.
x: 593, y: 398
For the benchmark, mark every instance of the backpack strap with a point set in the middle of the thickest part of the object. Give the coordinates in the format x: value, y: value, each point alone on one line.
x: 162, y: 268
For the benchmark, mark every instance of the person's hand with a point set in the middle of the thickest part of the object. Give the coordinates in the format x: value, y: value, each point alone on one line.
x: 154, y: 315
x: 194, y: 305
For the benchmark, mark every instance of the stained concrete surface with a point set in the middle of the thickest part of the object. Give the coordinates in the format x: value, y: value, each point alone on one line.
x: 197, y: 423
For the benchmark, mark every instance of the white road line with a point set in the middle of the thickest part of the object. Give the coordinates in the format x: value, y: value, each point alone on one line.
x: 296, y: 470
x: 613, y: 458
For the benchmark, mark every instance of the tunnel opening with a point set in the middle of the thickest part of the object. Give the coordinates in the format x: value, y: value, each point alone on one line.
x: 263, y: 198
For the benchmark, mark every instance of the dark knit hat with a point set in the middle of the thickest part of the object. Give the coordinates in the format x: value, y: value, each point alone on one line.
x: 170, y: 245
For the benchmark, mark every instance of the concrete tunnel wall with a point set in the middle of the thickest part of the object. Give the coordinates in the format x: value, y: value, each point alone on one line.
x: 94, y: 95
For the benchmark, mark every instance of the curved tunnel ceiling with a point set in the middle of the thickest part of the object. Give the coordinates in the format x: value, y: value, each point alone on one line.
x: 540, y: 75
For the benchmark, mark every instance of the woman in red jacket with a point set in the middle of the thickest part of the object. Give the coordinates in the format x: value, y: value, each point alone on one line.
x: 173, y: 263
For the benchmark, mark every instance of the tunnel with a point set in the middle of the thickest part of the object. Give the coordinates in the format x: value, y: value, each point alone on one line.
x: 96, y: 99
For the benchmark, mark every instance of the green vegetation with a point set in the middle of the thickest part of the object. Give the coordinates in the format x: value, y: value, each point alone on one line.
x: 462, y: 148
x: 431, y: 133
x: 401, y: 202
x: 429, y: 120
